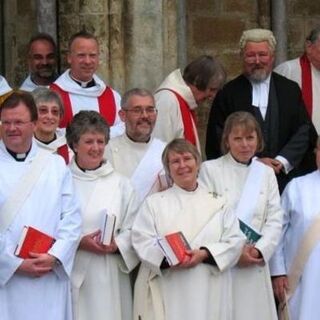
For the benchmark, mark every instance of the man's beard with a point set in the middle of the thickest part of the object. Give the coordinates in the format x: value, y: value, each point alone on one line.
x: 258, y: 75
x: 45, y: 72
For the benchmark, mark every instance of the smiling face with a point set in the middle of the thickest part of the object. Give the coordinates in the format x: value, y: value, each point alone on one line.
x: 17, y: 128
x: 42, y: 61
x: 242, y: 143
x: 258, y: 60
x: 48, y: 120
x: 89, y: 150
x: 139, y: 116
x: 183, y: 170
x: 83, y: 58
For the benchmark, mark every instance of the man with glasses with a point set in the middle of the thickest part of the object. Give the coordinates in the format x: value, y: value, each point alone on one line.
x: 36, y: 190
x: 277, y: 104
x: 81, y: 89
x: 136, y: 154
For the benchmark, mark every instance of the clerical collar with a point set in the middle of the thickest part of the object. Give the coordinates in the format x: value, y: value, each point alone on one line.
x: 86, y: 170
x: 245, y: 164
x: 19, y: 156
x: 84, y: 84
x: 46, y: 142
x: 137, y: 141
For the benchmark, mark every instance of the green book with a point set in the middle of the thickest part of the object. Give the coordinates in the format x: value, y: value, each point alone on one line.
x: 252, y: 235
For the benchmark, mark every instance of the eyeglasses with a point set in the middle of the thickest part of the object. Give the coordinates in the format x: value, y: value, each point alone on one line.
x: 16, y: 124
x: 150, y: 111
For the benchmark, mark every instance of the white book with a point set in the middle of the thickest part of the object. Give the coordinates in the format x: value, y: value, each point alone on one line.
x: 107, y: 230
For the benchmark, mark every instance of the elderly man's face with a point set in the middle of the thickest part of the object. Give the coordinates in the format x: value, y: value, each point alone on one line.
x: 313, y: 52
x: 139, y: 117
x: 42, y: 61
x: 17, y: 128
x: 257, y: 60
x: 83, y: 58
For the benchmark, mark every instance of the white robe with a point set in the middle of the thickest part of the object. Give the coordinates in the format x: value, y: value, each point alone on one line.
x: 169, y: 124
x: 56, y: 144
x: 301, y: 203
x: 227, y: 177
x: 100, y: 283
x: 202, y: 292
x: 52, y: 208
x: 292, y: 70
x: 28, y: 85
x: 87, y: 98
x: 4, y: 86
x: 125, y: 156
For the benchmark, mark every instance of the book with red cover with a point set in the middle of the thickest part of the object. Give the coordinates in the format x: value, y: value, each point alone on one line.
x: 33, y: 240
x: 174, y: 247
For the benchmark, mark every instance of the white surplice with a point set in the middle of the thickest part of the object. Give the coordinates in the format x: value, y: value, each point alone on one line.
x: 87, y: 98
x: 100, y: 283
x: 292, y: 70
x: 252, y: 290
x: 169, y: 124
x: 4, y: 86
x: 52, y: 208
x: 54, y: 145
x: 125, y: 156
x: 301, y: 203
x: 202, y: 292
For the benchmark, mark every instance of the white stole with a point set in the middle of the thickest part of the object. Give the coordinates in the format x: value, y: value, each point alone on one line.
x: 25, y: 186
x: 249, y: 196
x: 146, y: 173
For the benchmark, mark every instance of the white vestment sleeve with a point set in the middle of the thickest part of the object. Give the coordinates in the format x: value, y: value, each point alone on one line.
x: 277, y: 262
x: 226, y: 252
x: 144, y: 239
x: 271, y: 229
x: 169, y: 121
x: 69, y: 228
x: 123, y: 236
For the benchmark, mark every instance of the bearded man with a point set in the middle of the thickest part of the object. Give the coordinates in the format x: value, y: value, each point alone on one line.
x: 42, y: 62
x: 275, y: 101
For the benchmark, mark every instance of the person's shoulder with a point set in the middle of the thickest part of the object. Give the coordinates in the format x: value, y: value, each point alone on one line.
x: 281, y: 80
x: 235, y: 83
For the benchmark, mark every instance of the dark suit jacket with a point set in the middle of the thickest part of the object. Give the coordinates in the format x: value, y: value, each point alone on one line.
x: 293, y: 137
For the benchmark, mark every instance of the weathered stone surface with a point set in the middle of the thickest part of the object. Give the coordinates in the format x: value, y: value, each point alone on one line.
x: 244, y: 7
x: 216, y: 31
x: 206, y: 6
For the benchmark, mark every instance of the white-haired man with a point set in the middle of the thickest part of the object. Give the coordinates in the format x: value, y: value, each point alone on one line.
x: 277, y: 104
x: 305, y: 70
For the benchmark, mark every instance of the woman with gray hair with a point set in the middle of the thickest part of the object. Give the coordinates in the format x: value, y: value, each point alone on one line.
x: 50, y: 112
x: 100, y: 277
x: 198, y: 286
x: 250, y: 188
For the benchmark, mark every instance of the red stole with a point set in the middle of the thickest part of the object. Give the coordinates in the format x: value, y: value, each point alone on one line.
x: 188, y: 118
x: 306, y: 83
x: 64, y: 152
x: 106, y: 102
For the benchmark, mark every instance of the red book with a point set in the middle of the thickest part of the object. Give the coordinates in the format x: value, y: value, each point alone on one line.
x: 174, y: 247
x: 33, y: 240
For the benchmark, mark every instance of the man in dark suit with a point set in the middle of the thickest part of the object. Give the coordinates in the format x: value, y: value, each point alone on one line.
x: 277, y: 104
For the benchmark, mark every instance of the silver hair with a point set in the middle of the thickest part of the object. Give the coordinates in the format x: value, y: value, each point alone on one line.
x: 258, y: 35
x: 135, y: 92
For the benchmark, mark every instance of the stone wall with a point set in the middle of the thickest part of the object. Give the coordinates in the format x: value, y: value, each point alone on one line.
x: 140, y: 40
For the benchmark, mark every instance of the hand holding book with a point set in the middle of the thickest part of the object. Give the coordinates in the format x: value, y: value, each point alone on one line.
x: 92, y: 242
